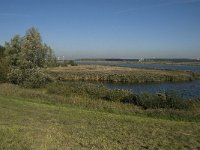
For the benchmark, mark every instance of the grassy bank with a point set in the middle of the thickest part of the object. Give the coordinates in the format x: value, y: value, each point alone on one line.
x: 95, y: 98
x: 119, y: 74
x: 25, y: 124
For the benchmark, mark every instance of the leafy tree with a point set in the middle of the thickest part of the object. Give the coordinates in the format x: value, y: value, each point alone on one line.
x: 12, y: 50
x: 3, y: 65
x: 2, y: 49
x: 32, y: 48
x: 26, y: 57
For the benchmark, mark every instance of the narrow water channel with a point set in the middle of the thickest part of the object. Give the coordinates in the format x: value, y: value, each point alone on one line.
x: 187, y: 90
x: 140, y: 65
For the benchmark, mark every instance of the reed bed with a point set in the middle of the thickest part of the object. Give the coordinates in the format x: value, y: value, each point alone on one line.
x: 119, y: 74
x: 101, y: 99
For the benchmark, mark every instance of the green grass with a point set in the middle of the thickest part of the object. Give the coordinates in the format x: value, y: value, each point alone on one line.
x: 119, y: 74
x: 28, y: 125
x: 62, y: 97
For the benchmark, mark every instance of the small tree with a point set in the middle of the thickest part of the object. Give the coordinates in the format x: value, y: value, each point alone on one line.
x: 2, y: 49
x: 3, y: 65
x: 12, y: 50
x: 26, y: 57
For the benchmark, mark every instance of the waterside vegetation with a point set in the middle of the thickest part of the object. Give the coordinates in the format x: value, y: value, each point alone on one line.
x: 119, y: 74
x: 57, y: 117
x: 90, y: 96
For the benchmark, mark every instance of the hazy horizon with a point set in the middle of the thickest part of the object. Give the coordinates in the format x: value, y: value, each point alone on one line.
x: 128, y: 29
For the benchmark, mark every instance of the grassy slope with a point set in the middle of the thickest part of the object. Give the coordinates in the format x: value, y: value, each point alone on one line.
x: 28, y: 125
x: 119, y: 74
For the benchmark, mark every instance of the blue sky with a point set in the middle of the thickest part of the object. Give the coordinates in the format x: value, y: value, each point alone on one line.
x: 108, y: 28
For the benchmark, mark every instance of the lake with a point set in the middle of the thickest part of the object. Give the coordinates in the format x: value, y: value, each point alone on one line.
x: 141, y: 65
x: 187, y: 90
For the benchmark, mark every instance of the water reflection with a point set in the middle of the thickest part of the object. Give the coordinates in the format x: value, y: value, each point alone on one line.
x: 140, y: 65
x: 187, y: 90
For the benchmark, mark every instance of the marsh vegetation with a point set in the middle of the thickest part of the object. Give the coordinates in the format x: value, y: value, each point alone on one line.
x: 120, y: 74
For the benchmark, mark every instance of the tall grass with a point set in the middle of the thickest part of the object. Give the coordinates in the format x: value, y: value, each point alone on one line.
x: 91, y: 96
x: 144, y: 100
x: 119, y: 74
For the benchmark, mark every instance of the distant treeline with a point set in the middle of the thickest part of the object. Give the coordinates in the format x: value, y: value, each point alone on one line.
x: 145, y: 59
x: 174, y: 60
x: 107, y: 59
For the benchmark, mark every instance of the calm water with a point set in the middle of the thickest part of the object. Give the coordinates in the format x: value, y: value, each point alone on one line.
x: 163, y: 66
x: 139, y: 65
x: 187, y: 90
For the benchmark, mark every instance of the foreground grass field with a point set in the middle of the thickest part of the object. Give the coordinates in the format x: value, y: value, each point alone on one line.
x: 119, y: 74
x: 29, y: 125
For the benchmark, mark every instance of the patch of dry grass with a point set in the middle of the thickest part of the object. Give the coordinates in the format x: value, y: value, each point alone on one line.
x: 119, y: 74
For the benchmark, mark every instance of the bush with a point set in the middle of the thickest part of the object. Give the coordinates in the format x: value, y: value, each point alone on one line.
x: 25, y: 56
x: 174, y: 101
x: 72, y: 63
x: 31, y: 78
x: 118, y: 95
x: 3, y: 71
x: 78, y: 88
x: 16, y: 76
x: 147, y: 100
x: 35, y: 78
x: 168, y: 100
x: 3, y: 65
x: 161, y: 100
x: 88, y: 90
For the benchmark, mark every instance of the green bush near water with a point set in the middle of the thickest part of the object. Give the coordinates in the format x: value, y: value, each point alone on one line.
x: 68, y: 62
x: 161, y: 100
x: 168, y: 100
x: 55, y: 94
x: 87, y: 90
x: 24, y: 59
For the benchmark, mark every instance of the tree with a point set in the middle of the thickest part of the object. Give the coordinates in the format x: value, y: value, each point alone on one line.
x: 2, y: 49
x: 27, y: 56
x: 3, y: 65
x: 12, y: 50
x: 33, y: 49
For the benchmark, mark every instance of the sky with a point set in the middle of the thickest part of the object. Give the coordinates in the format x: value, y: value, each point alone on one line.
x: 108, y: 28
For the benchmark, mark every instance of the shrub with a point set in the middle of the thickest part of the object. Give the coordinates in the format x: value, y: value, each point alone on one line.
x: 25, y: 56
x: 146, y: 100
x: 78, y: 88
x: 15, y: 76
x: 95, y: 91
x: 174, y: 101
x: 35, y: 78
x: 65, y: 63
x: 161, y: 100
x: 72, y: 63
x: 3, y: 71
x: 118, y: 95
x: 87, y: 89
x: 31, y: 78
